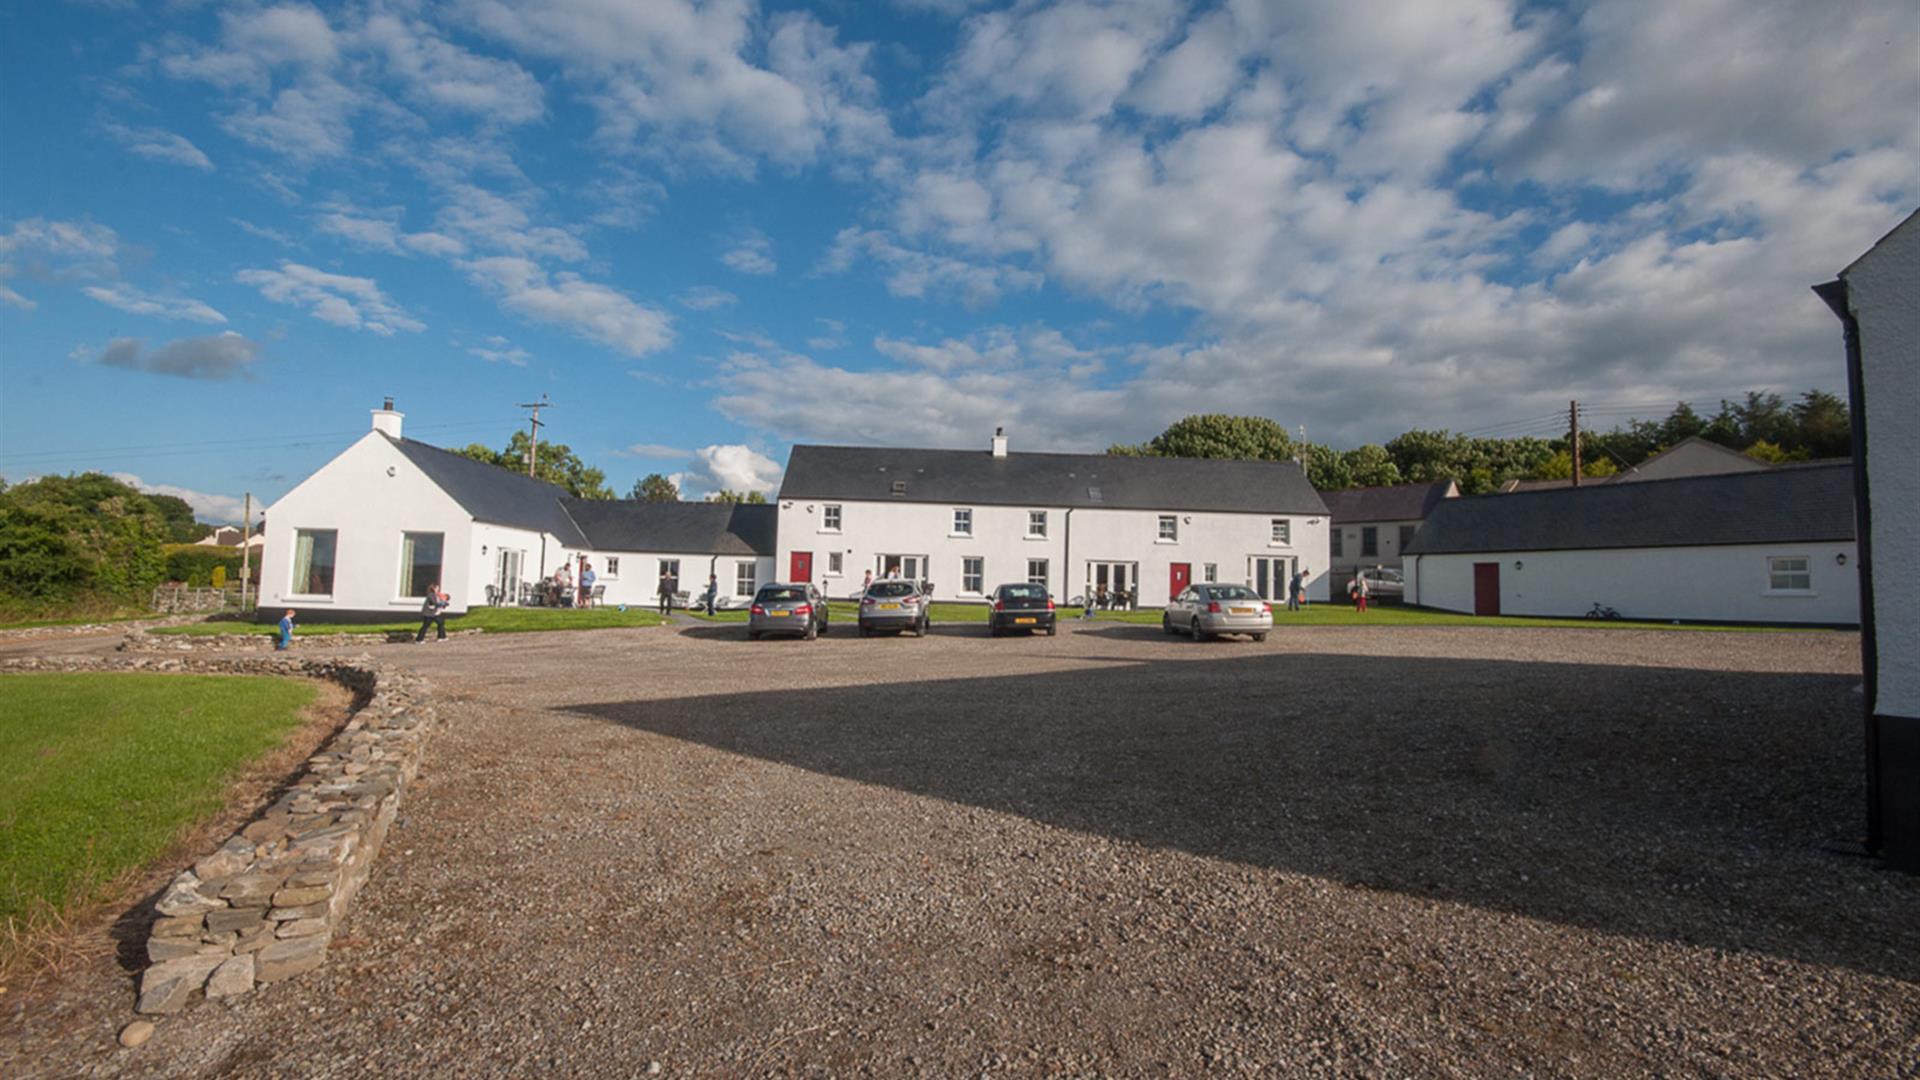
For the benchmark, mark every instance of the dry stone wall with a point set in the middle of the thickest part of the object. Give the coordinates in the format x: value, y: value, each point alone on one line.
x: 259, y: 641
x: 264, y: 905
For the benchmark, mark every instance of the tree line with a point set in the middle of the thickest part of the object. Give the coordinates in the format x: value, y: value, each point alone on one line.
x: 1762, y: 425
x: 557, y: 464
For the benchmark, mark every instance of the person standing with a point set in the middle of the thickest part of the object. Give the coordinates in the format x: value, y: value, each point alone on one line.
x: 866, y: 583
x: 433, y: 612
x: 713, y: 591
x: 563, y: 586
x: 285, y: 641
x: 1358, y: 590
x: 586, y: 583
x: 666, y: 592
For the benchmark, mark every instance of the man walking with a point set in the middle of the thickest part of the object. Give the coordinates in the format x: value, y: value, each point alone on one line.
x: 713, y: 591
x: 433, y: 612
x: 666, y: 592
x: 1295, y: 586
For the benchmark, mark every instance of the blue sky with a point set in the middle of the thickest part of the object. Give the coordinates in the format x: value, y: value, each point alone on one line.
x: 709, y: 231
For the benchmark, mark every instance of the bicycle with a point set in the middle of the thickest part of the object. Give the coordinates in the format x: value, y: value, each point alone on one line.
x: 1602, y: 611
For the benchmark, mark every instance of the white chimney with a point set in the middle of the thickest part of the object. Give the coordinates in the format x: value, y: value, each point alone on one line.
x: 386, y: 420
x: 999, y: 442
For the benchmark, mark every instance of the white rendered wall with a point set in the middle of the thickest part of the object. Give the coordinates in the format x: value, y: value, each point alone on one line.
x: 355, y: 495
x: 1712, y: 584
x: 1883, y: 289
x: 870, y: 529
x: 638, y: 583
x: 1389, y: 556
x: 487, y: 541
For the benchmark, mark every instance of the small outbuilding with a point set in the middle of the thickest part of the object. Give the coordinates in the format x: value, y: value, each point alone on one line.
x: 1373, y: 526
x: 1774, y: 547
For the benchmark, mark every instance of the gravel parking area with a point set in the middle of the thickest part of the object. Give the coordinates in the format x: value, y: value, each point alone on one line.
x: 1412, y: 852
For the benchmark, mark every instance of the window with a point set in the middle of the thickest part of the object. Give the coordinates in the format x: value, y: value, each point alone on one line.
x: 743, y: 579
x: 670, y: 568
x: 1210, y: 572
x: 830, y: 518
x: 973, y: 574
x: 1406, y: 535
x: 1169, y: 528
x: 1369, y: 541
x: 419, y: 562
x: 1037, y: 572
x: 1037, y: 524
x: 1789, y: 573
x: 835, y: 565
x: 962, y: 522
x: 613, y: 567
x: 1334, y: 547
x: 1282, y: 531
x: 313, y: 561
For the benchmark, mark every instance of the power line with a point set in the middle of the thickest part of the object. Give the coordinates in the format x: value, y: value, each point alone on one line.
x: 252, y: 442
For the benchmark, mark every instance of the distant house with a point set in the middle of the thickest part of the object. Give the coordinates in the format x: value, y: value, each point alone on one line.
x: 969, y: 520
x: 366, y: 535
x: 1774, y: 546
x: 222, y: 536
x: 1878, y: 301
x: 1373, y: 525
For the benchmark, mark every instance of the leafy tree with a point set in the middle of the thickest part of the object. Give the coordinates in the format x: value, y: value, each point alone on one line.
x: 555, y: 464
x: 1217, y: 435
x: 1327, y: 468
x: 751, y: 498
x: 182, y: 528
x: 1773, y: 453
x: 62, y: 537
x: 654, y: 487
x: 1825, y: 427
x: 1128, y: 450
x: 1371, y: 466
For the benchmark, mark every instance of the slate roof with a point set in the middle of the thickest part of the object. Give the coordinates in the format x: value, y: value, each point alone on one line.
x: 493, y: 494
x: 1399, y: 502
x: 691, y: 527
x: 1803, y: 505
x: 976, y: 477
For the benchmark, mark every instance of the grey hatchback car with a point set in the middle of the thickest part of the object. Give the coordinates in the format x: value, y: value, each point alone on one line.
x: 893, y: 605
x: 798, y: 610
x: 1206, y: 611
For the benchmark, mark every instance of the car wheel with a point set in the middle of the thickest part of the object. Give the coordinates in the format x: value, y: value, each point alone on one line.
x: 753, y: 635
x: 1194, y: 629
x: 1053, y: 629
x: 1166, y: 625
x: 813, y: 632
x: 1259, y: 637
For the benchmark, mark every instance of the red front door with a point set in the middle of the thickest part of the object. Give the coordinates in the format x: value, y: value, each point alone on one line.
x: 1179, y: 576
x: 802, y: 566
x: 1486, y: 588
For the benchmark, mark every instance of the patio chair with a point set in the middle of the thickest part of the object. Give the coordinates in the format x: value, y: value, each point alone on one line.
x: 599, y: 593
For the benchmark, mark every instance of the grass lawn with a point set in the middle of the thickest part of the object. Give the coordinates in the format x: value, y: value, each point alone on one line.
x: 100, y: 771
x: 506, y: 620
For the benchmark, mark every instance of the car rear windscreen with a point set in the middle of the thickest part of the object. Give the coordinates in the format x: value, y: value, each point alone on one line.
x: 1024, y: 592
x: 891, y: 589
x: 781, y: 596
x: 1233, y: 592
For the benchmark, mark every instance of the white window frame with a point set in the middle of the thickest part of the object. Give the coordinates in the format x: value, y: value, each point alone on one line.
x: 1775, y: 573
x: 1210, y: 573
x: 1169, y: 529
x: 962, y: 521
x: 1280, y: 532
x: 831, y: 517
x: 1045, y: 577
x: 400, y: 595
x: 978, y: 577
x: 836, y: 563
x: 746, y: 578
x: 293, y: 564
x: 670, y: 567
x: 612, y: 572
x: 1036, y: 518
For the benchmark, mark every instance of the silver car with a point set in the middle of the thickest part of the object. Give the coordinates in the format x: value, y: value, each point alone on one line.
x: 1383, y: 583
x: 893, y: 605
x: 1209, y: 610
x: 800, y: 610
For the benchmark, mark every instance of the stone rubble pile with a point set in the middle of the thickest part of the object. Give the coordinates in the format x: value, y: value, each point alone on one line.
x: 264, y: 906
x: 258, y: 641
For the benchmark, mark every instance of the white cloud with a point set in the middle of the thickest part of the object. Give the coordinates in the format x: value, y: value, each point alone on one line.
x: 155, y: 144
x: 591, y: 310
x: 654, y: 451
x: 705, y: 298
x: 14, y: 299
x: 751, y: 253
x: 439, y: 73
x: 917, y: 274
x: 498, y: 350
x: 219, y: 509
x: 216, y: 357
x: 356, y: 303
x: 129, y: 299
x: 732, y: 467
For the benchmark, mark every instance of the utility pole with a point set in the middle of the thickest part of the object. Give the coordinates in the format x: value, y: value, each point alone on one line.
x: 533, y: 426
x: 246, y: 549
x: 1573, y: 420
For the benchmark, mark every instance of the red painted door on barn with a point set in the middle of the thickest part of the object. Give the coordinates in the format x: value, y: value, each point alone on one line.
x: 802, y: 566
x: 1486, y: 588
x: 1179, y: 576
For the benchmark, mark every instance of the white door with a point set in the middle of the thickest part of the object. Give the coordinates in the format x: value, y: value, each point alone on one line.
x: 506, y: 578
x: 1269, y: 576
x: 904, y: 567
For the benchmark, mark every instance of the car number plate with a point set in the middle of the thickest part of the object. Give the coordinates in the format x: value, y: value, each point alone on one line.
x: 1024, y: 621
x: 1243, y: 611
x: 889, y: 607
x: 779, y: 614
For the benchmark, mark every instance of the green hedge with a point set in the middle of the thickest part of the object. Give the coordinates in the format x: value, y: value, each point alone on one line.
x: 194, y: 563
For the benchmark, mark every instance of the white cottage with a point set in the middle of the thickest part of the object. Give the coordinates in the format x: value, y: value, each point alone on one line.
x: 365, y: 536
x: 1878, y: 301
x: 1766, y: 547
x: 967, y: 521
x: 1372, y: 526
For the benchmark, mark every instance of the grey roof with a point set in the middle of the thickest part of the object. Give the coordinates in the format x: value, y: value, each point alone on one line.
x: 691, y: 527
x: 882, y: 474
x: 1400, y: 502
x: 493, y: 494
x: 1803, y: 505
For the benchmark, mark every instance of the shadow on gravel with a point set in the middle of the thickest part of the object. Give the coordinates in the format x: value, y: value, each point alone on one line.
x: 1685, y: 806
x: 737, y: 632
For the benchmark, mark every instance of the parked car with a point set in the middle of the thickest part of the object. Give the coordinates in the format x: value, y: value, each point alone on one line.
x: 1209, y: 610
x: 1384, y: 584
x: 893, y: 605
x: 1022, y: 607
x: 779, y: 608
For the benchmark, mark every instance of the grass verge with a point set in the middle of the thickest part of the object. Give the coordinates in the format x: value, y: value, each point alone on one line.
x: 490, y: 620
x: 101, y: 772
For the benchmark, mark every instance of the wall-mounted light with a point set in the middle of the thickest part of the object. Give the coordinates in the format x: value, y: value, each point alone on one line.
x: 483, y: 549
x: 809, y: 508
x: 1840, y: 559
x: 390, y: 470
x: 1517, y: 564
x: 1188, y: 519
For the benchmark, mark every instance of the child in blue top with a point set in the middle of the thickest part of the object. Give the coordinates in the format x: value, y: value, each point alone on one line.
x: 286, y: 632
